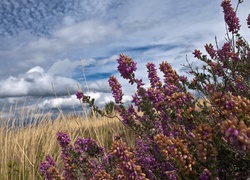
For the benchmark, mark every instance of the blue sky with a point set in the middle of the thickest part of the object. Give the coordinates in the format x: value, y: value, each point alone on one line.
x: 44, y: 42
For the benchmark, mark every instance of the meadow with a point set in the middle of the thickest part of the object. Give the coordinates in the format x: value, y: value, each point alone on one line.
x: 23, y: 148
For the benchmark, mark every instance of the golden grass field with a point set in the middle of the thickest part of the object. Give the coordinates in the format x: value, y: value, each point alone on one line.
x: 23, y: 149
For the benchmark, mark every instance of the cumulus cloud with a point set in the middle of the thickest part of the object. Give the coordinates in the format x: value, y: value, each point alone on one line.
x: 67, y: 102
x: 60, y: 102
x: 86, y: 32
x: 36, y: 83
x: 63, y: 67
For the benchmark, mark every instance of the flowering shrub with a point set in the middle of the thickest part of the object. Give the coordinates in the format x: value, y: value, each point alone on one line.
x: 174, y: 140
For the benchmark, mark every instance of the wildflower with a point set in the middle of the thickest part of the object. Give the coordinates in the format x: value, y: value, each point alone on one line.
x: 183, y: 79
x: 89, y: 146
x: 152, y: 75
x: 49, y: 169
x: 139, y: 83
x: 79, y: 94
x: 116, y: 89
x: 126, y: 159
x: 206, y: 175
x: 170, y: 75
x: 210, y: 50
x: 240, y: 86
x: 197, y: 53
x: 63, y: 139
x: 126, y: 67
x: 248, y: 20
x: 224, y: 52
x: 230, y: 17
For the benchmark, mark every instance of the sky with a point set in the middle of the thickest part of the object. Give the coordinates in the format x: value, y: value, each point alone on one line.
x: 48, y: 49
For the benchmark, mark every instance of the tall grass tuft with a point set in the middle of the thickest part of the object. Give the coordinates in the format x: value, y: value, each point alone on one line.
x: 24, y: 147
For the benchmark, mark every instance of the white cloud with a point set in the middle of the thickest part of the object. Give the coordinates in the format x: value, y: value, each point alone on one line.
x: 72, y: 102
x: 68, y: 21
x: 36, y: 69
x: 63, y: 67
x: 86, y: 32
x: 36, y: 83
x: 60, y: 102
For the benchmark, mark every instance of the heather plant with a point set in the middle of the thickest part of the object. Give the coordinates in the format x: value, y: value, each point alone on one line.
x: 109, y: 108
x: 174, y: 140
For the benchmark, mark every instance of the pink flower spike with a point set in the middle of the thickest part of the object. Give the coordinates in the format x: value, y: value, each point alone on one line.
x: 248, y: 20
x: 79, y: 94
x: 230, y: 17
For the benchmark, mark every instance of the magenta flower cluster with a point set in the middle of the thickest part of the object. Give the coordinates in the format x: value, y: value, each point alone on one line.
x: 152, y: 75
x: 63, y: 139
x: 116, y: 89
x: 126, y: 66
x: 88, y: 146
x: 48, y: 168
x: 248, y: 20
x: 230, y: 17
x: 210, y: 50
x: 79, y: 95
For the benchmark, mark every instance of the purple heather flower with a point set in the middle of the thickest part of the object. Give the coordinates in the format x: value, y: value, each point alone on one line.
x: 230, y: 17
x: 145, y: 155
x: 172, y: 175
x: 210, y: 50
x: 206, y: 175
x: 79, y: 94
x: 240, y: 86
x: 116, y: 89
x: 224, y: 52
x: 183, y: 79
x: 152, y: 75
x: 46, y: 166
x: 248, y: 20
x: 136, y: 100
x: 139, y: 83
x: 126, y: 67
x: 89, y: 146
x: 197, y: 54
x: 63, y: 139
x: 229, y: 104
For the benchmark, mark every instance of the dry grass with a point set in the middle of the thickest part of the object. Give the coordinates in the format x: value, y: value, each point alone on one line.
x: 22, y: 149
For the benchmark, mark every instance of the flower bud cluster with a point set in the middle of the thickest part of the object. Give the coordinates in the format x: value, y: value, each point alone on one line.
x: 237, y: 133
x: 88, y: 146
x: 116, y: 89
x: 205, y: 175
x: 126, y: 66
x: 230, y: 105
x: 152, y: 76
x: 170, y: 75
x: 176, y: 150
x: 102, y: 175
x: 204, y: 143
x: 126, y: 160
x: 211, y: 51
x: 230, y: 16
x: 49, y: 169
x: 248, y: 20
x: 69, y: 165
